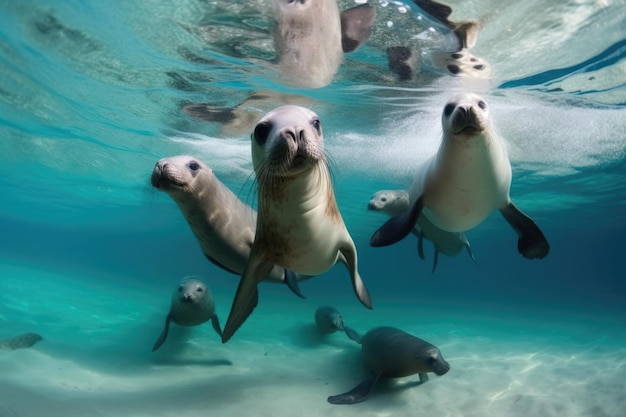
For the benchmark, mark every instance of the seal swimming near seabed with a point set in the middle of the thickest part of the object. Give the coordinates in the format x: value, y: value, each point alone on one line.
x: 328, y: 320
x: 311, y: 37
x: 468, y: 177
x: 223, y: 225
x: 392, y: 353
x: 22, y: 341
x: 192, y: 304
x: 395, y: 202
x: 299, y: 226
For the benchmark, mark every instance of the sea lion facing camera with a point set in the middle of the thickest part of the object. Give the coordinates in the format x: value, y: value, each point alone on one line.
x: 468, y: 177
x: 328, y: 320
x: 299, y: 226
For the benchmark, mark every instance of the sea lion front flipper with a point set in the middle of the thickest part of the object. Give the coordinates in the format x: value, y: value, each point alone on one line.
x: 247, y: 295
x: 215, y: 322
x: 209, y: 113
x: 397, y: 227
x: 348, y: 256
x: 531, y: 243
x: 357, y: 394
x: 356, y: 26
x: 291, y: 279
x: 164, y: 333
x: 352, y: 334
x: 435, y: 261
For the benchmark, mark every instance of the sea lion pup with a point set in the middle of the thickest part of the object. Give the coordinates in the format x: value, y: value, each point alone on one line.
x: 22, y: 341
x: 311, y: 37
x: 223, y: 225
x: 299, y: 226
x: 392, y: 353
x: 192, y: 304
x: 395, y: 202
x: 468, y: 177
x: 329, y: 320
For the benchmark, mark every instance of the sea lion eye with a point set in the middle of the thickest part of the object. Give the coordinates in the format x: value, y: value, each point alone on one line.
x: 384, y: 199
x: 261, y: 132
x: 447, y: 111
x: 180, y: 288
x: 482, y: 104
x: 194, y: 166
x: 317, y: 125
x: 199, y: 289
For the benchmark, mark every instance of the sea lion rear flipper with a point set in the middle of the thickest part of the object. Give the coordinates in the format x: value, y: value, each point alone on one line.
x: 247, y: 295
x: 291, y: 279
x: 164, y: 333
x: 397, y: 227
x: 215, y: 322
x: 352, y: 334
x: 356, y: 26
x: 357, y: 394
x: 435, y: 261
x: 531, y: 243
x: 348, y: 256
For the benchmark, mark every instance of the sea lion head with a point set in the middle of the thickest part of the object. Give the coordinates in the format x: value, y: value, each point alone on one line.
x: 286, y: 142
x: 434, y: 361
x: 391, y: 202
x: 465, y: 114
x: 190, y: 291
x: 179, y: 174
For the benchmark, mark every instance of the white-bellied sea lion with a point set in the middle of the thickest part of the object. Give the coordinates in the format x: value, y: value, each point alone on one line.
x: 299, y: 226
x: 311, y: 36
x: 192, y: 304
x: 468, y: 177
x: 392, y: 353
x: 395, y: 202
x: 223, y: 225
x: 328, y: 320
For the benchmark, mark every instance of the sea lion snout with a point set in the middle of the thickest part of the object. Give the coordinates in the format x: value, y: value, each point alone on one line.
x: 438, y: 364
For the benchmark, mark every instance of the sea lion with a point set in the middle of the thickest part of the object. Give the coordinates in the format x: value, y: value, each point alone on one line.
x: 392, y: 353
x: 22, y: 341
x: 192, y: 304
x: 329, y: 320
x: 468, y: 177
x: 310, y: 38
x: 223, y: 225
x: 299, y: 226
x: 395, y: 202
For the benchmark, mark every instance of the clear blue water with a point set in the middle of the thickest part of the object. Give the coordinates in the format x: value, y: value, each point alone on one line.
x: 91, y: 96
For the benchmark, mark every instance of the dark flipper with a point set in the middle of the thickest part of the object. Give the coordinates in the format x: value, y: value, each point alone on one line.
x: 291, y: 279
x: 435, y: 261
x: 209, y: 113
x: 356, y: 26
x: 532, y: 243
x: 402, y: 61
x: 397, y: 227
x: 420, y: 245
x: 163, y: 336
x: 352, y: 334
x: 247, y: 296
x: 215, y: 322
x: 357, y: 394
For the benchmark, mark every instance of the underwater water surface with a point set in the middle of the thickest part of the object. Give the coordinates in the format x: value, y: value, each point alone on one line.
x: 93, y: 94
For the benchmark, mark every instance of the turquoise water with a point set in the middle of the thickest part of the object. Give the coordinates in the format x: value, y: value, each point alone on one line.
x: 92, y: 95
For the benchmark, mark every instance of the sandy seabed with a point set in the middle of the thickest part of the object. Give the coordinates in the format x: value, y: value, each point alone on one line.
x: 95, y: 360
